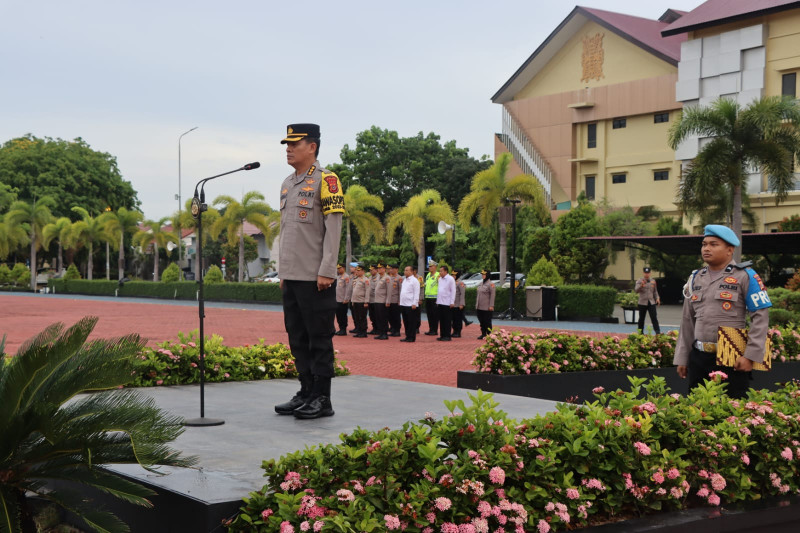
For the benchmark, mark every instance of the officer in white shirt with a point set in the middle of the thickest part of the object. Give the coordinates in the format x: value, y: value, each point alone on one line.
x: 409, y: 300
x: 445, y: 299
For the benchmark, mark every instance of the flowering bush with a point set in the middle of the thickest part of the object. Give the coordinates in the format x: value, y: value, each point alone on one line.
x: 177, y: 363
x: 549, y: 352
x: 476, y: 470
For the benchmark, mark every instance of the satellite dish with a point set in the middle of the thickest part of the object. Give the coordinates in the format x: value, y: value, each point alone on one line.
x: 171, y: 246
x: 444, y: 226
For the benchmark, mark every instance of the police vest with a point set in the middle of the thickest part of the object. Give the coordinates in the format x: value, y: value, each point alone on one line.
x: 431, y: 285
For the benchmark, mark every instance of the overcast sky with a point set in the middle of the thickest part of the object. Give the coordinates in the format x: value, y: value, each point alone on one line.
x: 130, y: 76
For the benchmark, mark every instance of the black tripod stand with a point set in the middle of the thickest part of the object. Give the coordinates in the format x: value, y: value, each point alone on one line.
x: 511, y: 313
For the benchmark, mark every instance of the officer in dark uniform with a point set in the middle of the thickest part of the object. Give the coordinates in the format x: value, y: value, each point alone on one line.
x: 312, y: 204
x: 721, y: 294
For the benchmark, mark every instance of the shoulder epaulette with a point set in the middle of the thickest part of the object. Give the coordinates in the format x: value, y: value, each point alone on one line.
x: 743, y: 264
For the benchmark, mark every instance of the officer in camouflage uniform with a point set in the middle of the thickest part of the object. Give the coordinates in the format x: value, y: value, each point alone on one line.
x: 721, y: 294
x: 312, y: 204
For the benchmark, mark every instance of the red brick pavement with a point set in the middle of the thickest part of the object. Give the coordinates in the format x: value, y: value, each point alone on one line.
x: 426, y: 361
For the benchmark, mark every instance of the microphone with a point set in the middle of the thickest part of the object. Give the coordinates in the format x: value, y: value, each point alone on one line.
x: 251, y: 166
x: 202, y: 183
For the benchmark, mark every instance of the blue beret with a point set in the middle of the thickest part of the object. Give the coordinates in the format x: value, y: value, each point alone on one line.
x: 723, y: 232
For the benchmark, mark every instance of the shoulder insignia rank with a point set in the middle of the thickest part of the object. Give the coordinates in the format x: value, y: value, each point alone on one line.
x: 744, y: 264
x: 303, y: 202
x: 705, y: 269
x: 311, y: 170
x: 307, y: 189
x: 284, y: 191
x: 729, y: 268
x: 727, y: 306
x: 311, y: 181
x: 731, y: 279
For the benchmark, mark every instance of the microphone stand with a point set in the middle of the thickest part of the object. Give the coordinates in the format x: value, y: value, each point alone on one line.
x: 198, y: 206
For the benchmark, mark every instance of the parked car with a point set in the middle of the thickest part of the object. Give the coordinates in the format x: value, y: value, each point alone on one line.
x: 473, y: 280
x: 272, y: 277
x: 520, y: 280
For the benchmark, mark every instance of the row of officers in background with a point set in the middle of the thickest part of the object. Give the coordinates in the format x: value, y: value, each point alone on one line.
x: 391, y: 300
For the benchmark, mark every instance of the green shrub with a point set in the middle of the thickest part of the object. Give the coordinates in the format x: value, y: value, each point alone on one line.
x: 267, y: 292
x: 72, y: 272
x: 21, y: 275
x: 783, y: 317
x: 214, y: 275
x: 585, y: 300
x: 5, y: 274
x: 544, y: 272
x: 785, y: 306
x: 171, y: 274
x: 628, y: 299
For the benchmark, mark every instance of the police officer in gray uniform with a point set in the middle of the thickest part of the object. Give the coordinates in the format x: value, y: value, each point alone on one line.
x: 648, y: 300
x: 721, y: 294
x: 342, y: 299
x: 312, y: 204
x: 393, y: 300
x: 360, y: 299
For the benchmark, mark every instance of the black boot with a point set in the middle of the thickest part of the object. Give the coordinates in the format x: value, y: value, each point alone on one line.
x: 299, y: 399
x: 320, y: 403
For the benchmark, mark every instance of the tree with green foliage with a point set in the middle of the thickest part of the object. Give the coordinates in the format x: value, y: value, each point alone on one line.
x: 622, y: 222
x: 34, y: 217
x: 544, y: 272
x: 8, y: 195
x: 50, y: 430
x: 579, y: 261
x: 396, y: 168
x: 86, y: 232
x: 427, y: 206
x: 117, y: 225
x: 762, y: 136
x: 68, y: 170
x: 214, y: 275
x: 210, y: 216
x: 5, y: 274
x: 60, y: 231
x: 152, y: 232
x: 674, y: 267
x: 12, y: 236
x: 171, y: 274
x: 791, y: 223
x: 357, y: 201
x: 490, y: 189
x: 72, y: 272
x: 252, y: 209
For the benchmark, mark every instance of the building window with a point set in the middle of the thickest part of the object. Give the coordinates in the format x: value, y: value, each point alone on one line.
x: 789, y: 85
x: 659, y: 118
x: 618, y: 123
x: 591, y: 131
x: 590, y: 187
x: 661, y: 175
x: 619, y: 178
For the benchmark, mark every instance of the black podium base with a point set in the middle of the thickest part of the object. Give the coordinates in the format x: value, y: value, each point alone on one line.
x: 203, y: 421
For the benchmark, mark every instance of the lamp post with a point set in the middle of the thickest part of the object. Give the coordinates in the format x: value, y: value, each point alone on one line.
x: 179, y: 197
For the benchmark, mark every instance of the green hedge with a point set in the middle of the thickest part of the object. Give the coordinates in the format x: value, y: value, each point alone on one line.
x: 585, y: 301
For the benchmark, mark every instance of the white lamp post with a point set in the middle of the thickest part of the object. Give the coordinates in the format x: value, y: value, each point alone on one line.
x: 179, y: 196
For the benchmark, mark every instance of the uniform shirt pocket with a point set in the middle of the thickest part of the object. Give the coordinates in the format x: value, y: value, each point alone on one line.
x: 304, y: 215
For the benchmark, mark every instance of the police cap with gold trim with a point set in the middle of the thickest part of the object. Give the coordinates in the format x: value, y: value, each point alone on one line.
x: 297, y: 132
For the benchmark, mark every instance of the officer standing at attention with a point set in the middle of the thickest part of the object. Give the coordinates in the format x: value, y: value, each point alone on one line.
x: 348, y: 297
x: 393, y: 300
x: 721, y: 294
x: 421, y: 280
x: 381, y: 310
x: 312, y: 205
x: 648, y: 300
x: 409, y: 303
x: 360, y: 300
x: 342, y: 290
x: 458, y: 304
x: 445, y: 300
x: 484, y: 303
x: 431, y: 292
x: 373, y: 284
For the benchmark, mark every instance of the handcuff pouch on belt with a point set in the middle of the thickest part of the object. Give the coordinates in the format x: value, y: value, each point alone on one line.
x: 731, y: 344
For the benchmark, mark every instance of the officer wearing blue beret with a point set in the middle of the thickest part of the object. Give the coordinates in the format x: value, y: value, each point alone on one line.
x: 721, y: 294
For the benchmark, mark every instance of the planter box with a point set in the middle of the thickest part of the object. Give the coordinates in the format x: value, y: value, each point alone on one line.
x: 630, y: 314
x: 578, y: 386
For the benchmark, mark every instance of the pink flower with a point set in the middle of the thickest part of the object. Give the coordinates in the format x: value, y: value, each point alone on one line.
x: 305, y: 526
x: 392, y: 522
x: 345, y: 495
x: 318, y: 525
x: 745, y: 459
x: 543, y: 526
x: 658, y: 477
x: 573, y: 494
x: 484, y: 508
x: 703, y: 492
x: 286, y: 527
x: 449, y: 527
x: 266, y: 513
x: 596, y: 390
x: 713, y: 499
x: 481, y: 525
x: 497, y: 475
x: 718, y: 374
x: 442, y: 504
x: 787, y: 454
x: 672, y: 473
x: 466, y: 528
x: 642, y: 448
x: 160, y: 382
x: 718, y: 482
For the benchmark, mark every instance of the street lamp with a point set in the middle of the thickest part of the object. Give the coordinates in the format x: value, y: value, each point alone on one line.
x: 180, y: 236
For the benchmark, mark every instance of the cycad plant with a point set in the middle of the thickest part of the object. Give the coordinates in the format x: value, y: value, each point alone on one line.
x: 50, y: 431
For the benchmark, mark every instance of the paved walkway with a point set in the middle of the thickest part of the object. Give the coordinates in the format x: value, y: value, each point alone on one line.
x: 426, y: 361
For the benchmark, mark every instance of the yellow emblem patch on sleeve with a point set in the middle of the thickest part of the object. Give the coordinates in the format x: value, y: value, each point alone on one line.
x: 331, y: 195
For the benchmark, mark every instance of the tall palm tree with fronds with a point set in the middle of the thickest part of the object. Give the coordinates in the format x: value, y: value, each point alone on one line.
x: 489, y: 190
x: 117, y: 225
x: 34, y: 217
x: 762, y: 137
x: 427, y: 206
x: 356, y: 202
x: 152, y: 232
x: 252, y: 209
x: 60, y: 231
x: 51, y: 431
x: 210, y: 216
x: 87, y: 231
x: 12, y: 236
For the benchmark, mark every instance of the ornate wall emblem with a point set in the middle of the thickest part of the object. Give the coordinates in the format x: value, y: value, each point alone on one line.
x: 592, y: 58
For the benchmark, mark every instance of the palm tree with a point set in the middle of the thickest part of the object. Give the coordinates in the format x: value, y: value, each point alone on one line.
x: 34, y: 217
x: 12, y: 235
x: 117, y: 225
x: 356, y: 202
x: 425, y: 206
x: 210, y: 216
x: 489, y: 190
x: 58, y: 230
x: 50, y: 431
x: 155, y: 235
x: 252, y: 209
x: 762, y: 137
x: 87, y: 231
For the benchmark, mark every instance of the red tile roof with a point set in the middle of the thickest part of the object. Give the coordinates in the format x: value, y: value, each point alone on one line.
x: 640, y: 31
x: 716, y: 12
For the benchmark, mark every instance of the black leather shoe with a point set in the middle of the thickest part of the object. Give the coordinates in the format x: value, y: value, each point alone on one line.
x: 431, y: 333
x: 371, y: 332
x: 316, y: 408
x: 442, y: 338
x: 394, y: 334
x: 354, y: 330
x: 382, y: 337
x: 360, y: 336
x: 406, y: 340
x: 467, y: 322
x: 481, y: 337
x: 289, y: 407
x: 456, y: 335
x: 340, y: 333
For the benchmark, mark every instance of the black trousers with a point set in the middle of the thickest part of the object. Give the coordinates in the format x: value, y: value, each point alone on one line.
x: 360, y: 318
x: 371, y: 313
x: 651, y: 308
x: 381, y: 321
x: 409, y: 321
x: 445, y: 321
x: 431, y: 309
x: 419, y: 314
x: 485, y: 320
x: 341, y: 315
x: 458, y: 318
x: 308, y: 316
x: 701, y: 364
x: 394, y: 318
